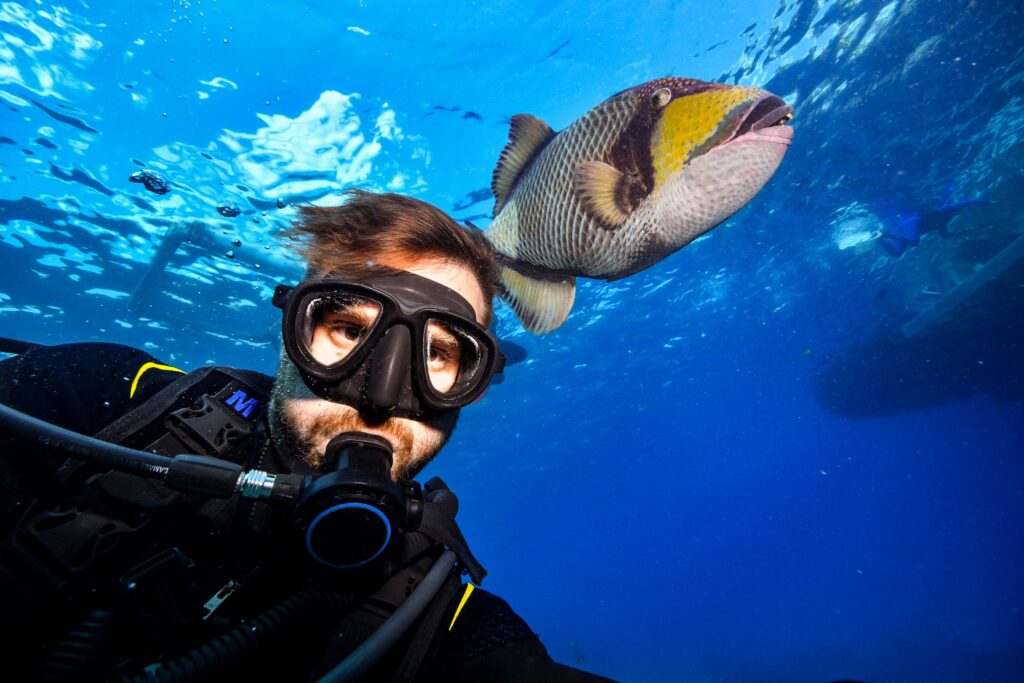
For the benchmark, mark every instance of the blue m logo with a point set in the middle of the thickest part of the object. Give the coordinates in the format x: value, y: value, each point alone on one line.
x: 242, y: 403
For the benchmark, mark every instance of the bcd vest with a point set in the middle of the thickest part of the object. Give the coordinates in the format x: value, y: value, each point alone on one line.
x: 132, y: 544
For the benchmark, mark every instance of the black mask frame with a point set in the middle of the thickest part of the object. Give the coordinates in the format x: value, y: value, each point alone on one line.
x: 376, y: 375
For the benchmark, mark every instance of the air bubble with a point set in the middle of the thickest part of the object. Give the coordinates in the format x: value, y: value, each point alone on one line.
x: 153, y: 181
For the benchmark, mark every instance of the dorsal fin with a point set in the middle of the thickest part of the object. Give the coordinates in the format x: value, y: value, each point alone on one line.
x: 526, y: 137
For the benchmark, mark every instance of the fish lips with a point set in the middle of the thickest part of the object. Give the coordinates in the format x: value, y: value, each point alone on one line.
x: 766, y: 119
x: 782, y: 135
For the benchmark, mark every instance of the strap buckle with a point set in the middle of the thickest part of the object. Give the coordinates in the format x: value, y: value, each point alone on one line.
x: 207, y: 428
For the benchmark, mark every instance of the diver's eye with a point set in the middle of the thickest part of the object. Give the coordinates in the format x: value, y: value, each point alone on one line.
x: 442, y: 353
x: 347, y: 331
x: 337, y: 324
x: 661, y: 97
x: 444, y: 356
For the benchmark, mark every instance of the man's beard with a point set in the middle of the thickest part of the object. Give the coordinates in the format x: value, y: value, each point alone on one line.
x: 301, y: 425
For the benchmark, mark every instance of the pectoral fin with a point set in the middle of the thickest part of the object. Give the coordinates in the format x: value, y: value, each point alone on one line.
x: 541, y: 301
x: 604, y: 193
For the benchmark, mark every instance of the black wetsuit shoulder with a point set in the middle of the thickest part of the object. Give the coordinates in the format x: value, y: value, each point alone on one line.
x: 82, y: 387
x: 489, y: 643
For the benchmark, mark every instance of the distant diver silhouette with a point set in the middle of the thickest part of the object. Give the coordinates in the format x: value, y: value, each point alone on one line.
x: 908, y: 227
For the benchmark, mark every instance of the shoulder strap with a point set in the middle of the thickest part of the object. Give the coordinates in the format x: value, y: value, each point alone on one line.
x: 427, y: 630
x: 211, y: 411
x: 439, y: 525
x: 205, y: 413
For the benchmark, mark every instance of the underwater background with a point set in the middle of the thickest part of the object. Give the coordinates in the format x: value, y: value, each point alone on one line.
x: 743, y: 464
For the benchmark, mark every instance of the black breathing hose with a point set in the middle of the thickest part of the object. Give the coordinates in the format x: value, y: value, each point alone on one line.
x: 82, y: 654
x: 83, y: 447
x: 220, y: 658
x: 384, y: 638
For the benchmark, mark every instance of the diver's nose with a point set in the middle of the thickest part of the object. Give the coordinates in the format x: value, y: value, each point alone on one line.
x: 389, y: 370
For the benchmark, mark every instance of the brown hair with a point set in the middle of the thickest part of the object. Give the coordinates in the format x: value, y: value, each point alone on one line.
x: 347, y: 240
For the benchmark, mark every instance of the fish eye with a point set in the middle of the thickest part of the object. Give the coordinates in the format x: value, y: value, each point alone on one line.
x: 661, y: 97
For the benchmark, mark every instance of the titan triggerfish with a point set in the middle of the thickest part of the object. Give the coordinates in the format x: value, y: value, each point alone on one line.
x: 638, y: 177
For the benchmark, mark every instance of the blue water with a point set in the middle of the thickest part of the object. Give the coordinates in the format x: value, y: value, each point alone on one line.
x: 659, y: 488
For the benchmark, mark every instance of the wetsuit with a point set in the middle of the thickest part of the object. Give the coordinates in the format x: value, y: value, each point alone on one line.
x: 86, y: 387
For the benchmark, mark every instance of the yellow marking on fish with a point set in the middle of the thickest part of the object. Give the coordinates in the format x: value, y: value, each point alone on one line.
x: 689, y: 122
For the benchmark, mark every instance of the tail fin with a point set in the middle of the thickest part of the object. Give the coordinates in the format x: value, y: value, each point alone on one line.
x: 542, y: 301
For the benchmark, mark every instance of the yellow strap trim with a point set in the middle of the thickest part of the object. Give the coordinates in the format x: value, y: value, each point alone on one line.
x: 149, y: 366
x: 462, y: 602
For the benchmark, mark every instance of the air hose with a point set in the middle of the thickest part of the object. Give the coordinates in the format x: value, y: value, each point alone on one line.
x: 198, y: 474
x: 384, y: 638
x: 219, y: 658
x: 216, y: 659
x: 81, y: 446
x: 82, y: 653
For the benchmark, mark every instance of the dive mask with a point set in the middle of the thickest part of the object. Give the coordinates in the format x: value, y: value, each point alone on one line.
x: 395, y: 344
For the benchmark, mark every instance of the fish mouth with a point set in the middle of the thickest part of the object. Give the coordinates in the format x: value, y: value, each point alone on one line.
x: 767, y: 119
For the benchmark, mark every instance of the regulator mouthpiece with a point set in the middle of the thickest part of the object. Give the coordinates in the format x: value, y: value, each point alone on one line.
x: 351, y: 516
x: 365, y: 452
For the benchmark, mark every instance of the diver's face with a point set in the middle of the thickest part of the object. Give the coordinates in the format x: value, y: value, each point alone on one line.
x: 302, y: 423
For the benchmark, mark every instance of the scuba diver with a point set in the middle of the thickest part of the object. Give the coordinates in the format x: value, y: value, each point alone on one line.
x: 168, y: 526
x: 907, y: 227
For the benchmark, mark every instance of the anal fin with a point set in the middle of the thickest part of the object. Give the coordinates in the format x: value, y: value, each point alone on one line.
x: 542, y: 302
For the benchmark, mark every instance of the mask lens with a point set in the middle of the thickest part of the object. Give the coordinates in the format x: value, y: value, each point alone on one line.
x: 337, y: 324
x: 454, y: 359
